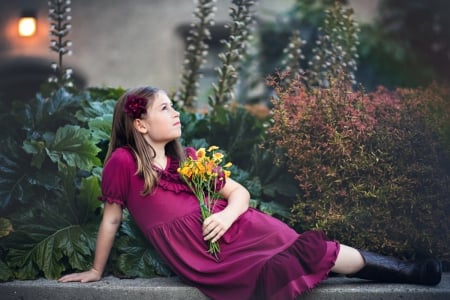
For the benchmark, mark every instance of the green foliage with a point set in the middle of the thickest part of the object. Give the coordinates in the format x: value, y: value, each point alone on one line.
x: 356, y: 157
x: 372, y: 168
x: 134, y: 256
x: 423, y: 45
x: 49, y: 184
x: 51, y: 166
x: 54, y: 234
x: 405, y: 45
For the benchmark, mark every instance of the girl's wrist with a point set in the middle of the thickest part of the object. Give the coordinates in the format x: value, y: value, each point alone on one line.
x: 96, y: 271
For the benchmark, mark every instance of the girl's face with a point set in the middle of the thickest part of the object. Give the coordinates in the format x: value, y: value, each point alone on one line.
x: 162, y: 121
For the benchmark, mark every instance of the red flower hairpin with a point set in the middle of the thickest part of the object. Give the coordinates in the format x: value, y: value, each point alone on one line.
x: 135, y: 106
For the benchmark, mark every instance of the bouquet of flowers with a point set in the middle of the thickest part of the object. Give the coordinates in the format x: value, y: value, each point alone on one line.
x: 205, y: 174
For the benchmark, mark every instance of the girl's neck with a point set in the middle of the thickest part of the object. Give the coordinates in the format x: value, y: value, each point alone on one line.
x: 160, y: 159
x: 160, y: 162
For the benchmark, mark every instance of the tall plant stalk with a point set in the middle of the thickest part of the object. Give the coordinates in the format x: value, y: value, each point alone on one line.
x: 336, y: 51
x: 235, y: 50
x: 59, y: 16
x: 195, y: 53
x: 293, y: 57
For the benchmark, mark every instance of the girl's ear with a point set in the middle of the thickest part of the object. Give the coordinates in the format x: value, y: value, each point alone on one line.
x: 140, y: 126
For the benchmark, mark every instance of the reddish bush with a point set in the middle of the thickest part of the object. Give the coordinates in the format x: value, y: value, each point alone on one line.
x: 373, y: 169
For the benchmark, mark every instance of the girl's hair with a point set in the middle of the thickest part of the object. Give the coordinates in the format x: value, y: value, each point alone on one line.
x: 123, y: 134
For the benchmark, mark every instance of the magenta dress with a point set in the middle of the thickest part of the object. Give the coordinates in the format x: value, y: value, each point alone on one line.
x: 260, y: 258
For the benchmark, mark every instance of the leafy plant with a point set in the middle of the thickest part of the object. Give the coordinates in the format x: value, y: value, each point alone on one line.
x: 372, y: 168
x: 419, y: 52
x: 134, y: 256
x: 50, y: 183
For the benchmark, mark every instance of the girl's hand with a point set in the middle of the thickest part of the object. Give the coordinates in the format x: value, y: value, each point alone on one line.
x: 215, y: 226
x: 88, y: 276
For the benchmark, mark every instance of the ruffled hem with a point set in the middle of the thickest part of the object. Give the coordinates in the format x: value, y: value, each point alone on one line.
x: 298, y: 269
x: 332, y: 252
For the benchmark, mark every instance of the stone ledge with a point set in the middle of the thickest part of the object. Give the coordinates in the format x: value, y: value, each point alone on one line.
x: 111, y: 288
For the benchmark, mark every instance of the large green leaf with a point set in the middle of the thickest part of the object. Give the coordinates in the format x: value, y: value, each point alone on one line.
x: 15, y: 175
x: 136, y: 256
x: 87, y: 199
x: 75, y: 147
x: 48, y: 113
x: 93, y: 109
x: 39, y: 248
x: 101, y: 127
x: 58, y: 234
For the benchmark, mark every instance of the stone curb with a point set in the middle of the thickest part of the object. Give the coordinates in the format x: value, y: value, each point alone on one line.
x: 112, y: 288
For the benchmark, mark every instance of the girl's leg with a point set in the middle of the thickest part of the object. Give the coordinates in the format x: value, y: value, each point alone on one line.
x: 349, y: 261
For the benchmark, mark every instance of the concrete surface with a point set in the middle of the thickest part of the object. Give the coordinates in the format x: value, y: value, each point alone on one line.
x: 111, y: 288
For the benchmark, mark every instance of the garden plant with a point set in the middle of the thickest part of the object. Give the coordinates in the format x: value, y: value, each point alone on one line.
x: 371, y: 168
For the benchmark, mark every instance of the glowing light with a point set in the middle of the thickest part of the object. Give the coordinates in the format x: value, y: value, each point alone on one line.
x: 27, y: 26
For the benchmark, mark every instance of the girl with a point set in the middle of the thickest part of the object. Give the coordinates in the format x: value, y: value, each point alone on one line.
x: 260, y: 256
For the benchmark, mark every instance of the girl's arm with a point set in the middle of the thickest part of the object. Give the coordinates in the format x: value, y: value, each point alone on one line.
x: 238, y: 202
x: 112, y: 216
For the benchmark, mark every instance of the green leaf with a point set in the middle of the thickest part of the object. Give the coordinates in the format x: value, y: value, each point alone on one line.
x: 75, y: 147
x: 87, y: 200
x: 37, y: 148
x: 5, y: 272
x: 48, y: 113
x: 136, y: 256
x: 15, y: 175
x: 94, y: 109
x: 272, y: 208
x: 41, y: 249
x: 101, y: 127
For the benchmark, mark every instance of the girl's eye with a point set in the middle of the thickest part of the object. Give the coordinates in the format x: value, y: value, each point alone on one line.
x: 166, y: 107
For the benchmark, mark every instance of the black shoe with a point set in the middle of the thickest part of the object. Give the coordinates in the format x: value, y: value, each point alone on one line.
x: 389, y: 269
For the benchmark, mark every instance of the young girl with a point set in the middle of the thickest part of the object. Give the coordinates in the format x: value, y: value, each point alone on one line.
x: 260, y: 257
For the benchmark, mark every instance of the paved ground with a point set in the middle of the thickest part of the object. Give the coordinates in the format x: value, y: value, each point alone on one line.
x: 111, y: 288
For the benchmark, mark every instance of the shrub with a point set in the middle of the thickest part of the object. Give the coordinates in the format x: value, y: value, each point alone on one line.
x: 373, y: 169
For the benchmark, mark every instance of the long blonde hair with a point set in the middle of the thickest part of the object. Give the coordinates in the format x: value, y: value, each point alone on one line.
x: 123, y: 134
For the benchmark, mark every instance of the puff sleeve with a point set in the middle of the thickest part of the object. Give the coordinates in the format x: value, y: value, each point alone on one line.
x: 116, y: 177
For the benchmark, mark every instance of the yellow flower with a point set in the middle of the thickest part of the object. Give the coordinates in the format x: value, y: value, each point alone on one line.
x: 206, y: 176
x: 212, y: 148
x: 217, y: 157
x: 201, y: 153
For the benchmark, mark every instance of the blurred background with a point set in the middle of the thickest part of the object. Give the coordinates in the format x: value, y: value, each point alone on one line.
x: 141, y: 42
x: 115, y: 43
